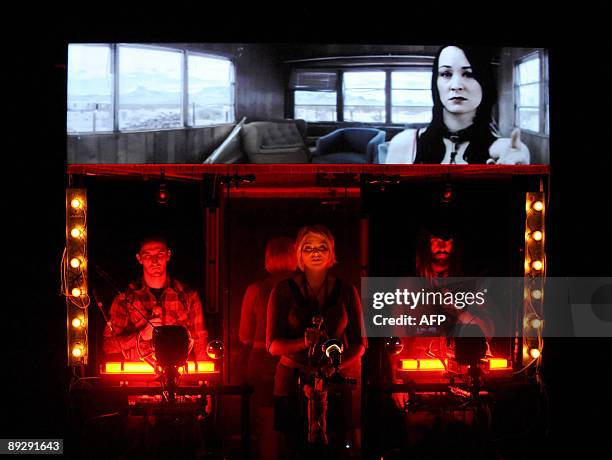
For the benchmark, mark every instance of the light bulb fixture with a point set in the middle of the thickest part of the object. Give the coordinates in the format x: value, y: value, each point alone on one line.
x: 76, y: 203
x: 537, y: 235
x: 536, y: 294
x: 76, y: 292
x: 77, y: 351
x: 76, y: 232
x: 537, y: 206
x: 78, y: 322
x: 536, y: 323
x: 75, y: 262
x: 534, y: 353
x: 537, y: 265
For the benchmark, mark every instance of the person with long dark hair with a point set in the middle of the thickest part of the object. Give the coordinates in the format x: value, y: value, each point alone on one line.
x: 462, y: 130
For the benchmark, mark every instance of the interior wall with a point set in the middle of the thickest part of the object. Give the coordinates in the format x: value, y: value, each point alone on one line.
x: 538, y: 144
x: 259, y: 95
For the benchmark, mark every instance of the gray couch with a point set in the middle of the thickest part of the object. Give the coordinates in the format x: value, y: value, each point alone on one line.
x: 275, y: 141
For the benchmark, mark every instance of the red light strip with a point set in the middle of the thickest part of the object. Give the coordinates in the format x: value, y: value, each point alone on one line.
x: 143, y: 368
x: 434, y: 364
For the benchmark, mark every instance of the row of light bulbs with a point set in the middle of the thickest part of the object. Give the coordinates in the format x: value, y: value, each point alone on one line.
x: 534, y: 237
x: 77, y: 264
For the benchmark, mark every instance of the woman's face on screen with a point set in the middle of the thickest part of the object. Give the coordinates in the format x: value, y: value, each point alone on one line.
x: 459, y: 91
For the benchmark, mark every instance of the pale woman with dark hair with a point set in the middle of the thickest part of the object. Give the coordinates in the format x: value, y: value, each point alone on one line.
x: 462, y: 129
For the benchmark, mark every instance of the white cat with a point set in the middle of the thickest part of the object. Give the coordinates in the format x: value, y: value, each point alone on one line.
x: 509, y: 151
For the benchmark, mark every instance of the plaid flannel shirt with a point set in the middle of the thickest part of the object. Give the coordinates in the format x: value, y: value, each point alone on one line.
x: 179, y: 306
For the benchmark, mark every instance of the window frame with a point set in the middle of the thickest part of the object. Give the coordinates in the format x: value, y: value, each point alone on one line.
x: 112, y: 78
x: 407, y: 69
x: 118, y: 86
x: 340, y: 100
x: 384, y: 89
x: 543, y: 85
x: 339, y: 81
x: 186, y: 92
x: 115, y: 87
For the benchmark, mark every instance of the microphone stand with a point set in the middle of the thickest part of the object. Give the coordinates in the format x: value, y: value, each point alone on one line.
x: 317, y: 396
x: 108, y: 322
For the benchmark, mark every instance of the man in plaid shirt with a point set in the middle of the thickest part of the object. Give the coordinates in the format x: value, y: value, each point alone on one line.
x: 160, y: 299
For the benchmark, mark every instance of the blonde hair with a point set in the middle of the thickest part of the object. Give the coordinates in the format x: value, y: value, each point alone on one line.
x: 280, y: 255
x: 319, y: 230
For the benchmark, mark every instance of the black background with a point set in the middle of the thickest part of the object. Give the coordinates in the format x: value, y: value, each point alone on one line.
x: 577, y: 371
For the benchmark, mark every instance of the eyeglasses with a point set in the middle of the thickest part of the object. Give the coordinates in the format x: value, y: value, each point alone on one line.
x: 151, y: 257
x: 321, y: 249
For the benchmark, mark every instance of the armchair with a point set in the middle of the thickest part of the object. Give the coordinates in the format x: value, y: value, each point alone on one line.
x: 349, y: 145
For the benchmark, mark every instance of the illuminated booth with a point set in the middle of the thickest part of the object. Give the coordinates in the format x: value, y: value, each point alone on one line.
x: 219, y: 217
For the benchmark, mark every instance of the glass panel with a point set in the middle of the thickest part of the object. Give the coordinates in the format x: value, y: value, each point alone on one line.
x: 315, y: 105
x: 314, y: 81
x: 315, y: 98
x: 529, y: 119
x: 411, y: 80
x: 411, y: 114
x: 529, y: 71
x: 366, y: 105
x: 315, y: 113
x: 364, y: 97
x: 411, y: 97
x: 211, y: 91
x: 150, y: 88
x: 364, y: 80
x: 90, y: 84
x: 529, y: 95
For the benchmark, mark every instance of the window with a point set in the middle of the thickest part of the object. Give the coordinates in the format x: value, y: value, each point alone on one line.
x: 531, y: 96
x: 211, y: 90
x: 90, y: 89
x: 150, y: 88
x: 314, y: 95
x: 411, y: 100
x: 364, y: 96
x: 140, y: 87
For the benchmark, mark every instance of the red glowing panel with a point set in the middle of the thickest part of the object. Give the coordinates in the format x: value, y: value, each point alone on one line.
x: 422, y: 365
x: 140, y: 367
x: 498, y: 363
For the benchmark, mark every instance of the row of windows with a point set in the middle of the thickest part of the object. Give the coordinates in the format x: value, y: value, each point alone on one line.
x: 364, y: 96
x: 135, y: 88
x: 403, y: 97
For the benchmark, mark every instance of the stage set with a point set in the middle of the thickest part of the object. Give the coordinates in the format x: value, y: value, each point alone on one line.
x: 402, y: 397
x: 245, y: 255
